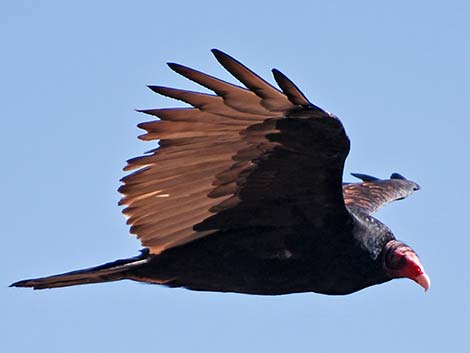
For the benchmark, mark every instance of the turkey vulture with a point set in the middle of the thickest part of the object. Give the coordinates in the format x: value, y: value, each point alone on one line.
x: 245, y: 194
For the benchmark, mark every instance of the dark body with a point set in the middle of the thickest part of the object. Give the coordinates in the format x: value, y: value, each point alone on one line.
x: 245, y: 194
x: 274, y: 261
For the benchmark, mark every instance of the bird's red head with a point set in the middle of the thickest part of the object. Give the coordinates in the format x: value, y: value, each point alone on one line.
x: 401, y: 261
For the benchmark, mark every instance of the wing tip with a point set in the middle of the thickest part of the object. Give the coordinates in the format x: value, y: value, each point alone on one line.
x: 219, y: 54
x: 18, y: 284
x: 290, y: 89
x: 224, y: 59
x: 178, y: 68
x: 155, y: 88
x: 216, y: 52
x: 397, y: 176
x: 27, y: 283
x: 393, y: 176
x: 364, y: 177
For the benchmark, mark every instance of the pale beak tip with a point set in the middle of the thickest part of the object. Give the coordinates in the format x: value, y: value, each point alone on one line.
x: 424, y: 281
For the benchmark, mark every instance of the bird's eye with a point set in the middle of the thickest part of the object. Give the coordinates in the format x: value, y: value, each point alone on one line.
x: 395, y: 261
x: 400, y: 261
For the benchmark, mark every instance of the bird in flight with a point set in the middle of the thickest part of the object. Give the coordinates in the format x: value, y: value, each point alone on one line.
x: 245, y: 194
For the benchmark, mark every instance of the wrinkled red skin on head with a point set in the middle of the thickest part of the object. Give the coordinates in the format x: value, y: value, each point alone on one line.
x: 401, y: 261
x: 413, y: 267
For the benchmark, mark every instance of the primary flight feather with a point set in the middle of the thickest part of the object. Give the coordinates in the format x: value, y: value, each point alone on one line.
x: 245, y: 194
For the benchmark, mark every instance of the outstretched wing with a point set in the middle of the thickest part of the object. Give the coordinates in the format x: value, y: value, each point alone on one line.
x: 373, y: 193
x: 251, y: 156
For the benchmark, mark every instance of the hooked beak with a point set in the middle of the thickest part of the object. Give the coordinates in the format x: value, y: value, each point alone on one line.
x: 424, y: 281
x: 415, y: 271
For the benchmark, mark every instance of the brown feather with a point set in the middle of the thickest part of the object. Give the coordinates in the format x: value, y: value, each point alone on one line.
x: 289, y: 88
x: 233, y: 95
x: 370, y: 196
x: 272, y: 98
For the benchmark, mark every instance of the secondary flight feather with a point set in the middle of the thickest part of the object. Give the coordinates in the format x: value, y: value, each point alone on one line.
x: 245, y: 194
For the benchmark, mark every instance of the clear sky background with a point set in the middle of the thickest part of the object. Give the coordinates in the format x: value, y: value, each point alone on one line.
x: 396, y: 73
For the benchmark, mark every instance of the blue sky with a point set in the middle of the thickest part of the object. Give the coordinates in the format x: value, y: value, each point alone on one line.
x: 396, y: 73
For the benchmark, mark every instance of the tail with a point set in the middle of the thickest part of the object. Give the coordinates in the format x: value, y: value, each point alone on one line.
x: 112, y: 271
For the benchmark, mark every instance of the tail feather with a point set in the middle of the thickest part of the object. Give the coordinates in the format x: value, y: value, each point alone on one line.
x: 112, y: 271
